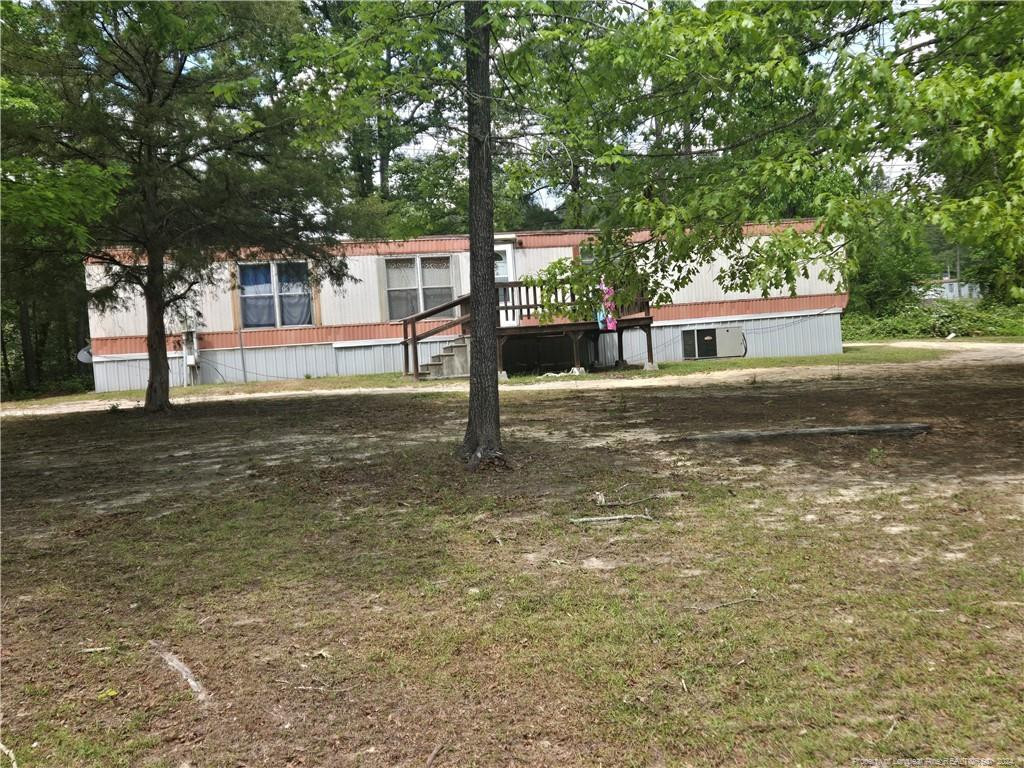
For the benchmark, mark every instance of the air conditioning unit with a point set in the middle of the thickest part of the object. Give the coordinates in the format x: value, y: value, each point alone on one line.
x: 720, y: 341
x: 731, y: 342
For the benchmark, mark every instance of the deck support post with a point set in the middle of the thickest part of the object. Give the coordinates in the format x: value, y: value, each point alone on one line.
x: 575, y: 335
x: 502, y: 375
x: 621, y: 362
x: 415, y: 353
x: 651, y: 365
x: 405, y: 347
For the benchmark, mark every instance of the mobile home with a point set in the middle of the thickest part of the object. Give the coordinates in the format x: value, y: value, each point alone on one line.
x: 263, y: 320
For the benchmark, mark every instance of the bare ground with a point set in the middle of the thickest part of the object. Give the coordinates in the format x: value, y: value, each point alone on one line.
x: 954, y: 353
x: 349, y: 596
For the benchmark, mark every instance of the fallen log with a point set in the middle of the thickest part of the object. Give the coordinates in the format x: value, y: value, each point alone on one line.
x: 743, y: 435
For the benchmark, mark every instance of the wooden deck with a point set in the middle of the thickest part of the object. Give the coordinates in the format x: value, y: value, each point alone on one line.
x: 518, y: 308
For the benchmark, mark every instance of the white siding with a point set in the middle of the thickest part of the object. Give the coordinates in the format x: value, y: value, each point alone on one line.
x: 215, y: 311
x: 806, y: 334
x: 128, y: 318
x: 358, y: 301
x: 530, y: 261
x: 705, y: 286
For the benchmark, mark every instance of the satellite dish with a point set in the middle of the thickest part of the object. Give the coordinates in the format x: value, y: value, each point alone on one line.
x: 85, y: 355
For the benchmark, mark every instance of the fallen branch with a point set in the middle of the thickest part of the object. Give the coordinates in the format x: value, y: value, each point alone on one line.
x: 182, y: 669
x: 98, y: 649
x: 766, y: 434
x: 434, y: 754
x: 10, y: 755
x: 609, y: 519
x: 320, y: 688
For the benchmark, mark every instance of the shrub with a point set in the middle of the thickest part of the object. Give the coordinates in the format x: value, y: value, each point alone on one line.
x: 938, y: 319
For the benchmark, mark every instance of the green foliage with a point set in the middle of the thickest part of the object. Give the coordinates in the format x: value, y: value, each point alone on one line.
x: 187, y: 105
x: 892, y: 260
x: 570, y: 288
x: 938, y: 319
x: 690, y: 120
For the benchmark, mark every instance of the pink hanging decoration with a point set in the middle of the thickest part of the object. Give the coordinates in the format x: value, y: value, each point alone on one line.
x: 608, y: 302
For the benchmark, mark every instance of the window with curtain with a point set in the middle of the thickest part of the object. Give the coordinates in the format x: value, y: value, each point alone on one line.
x: 418, y: 283
x: 275, y: 294
x: 294, y: 302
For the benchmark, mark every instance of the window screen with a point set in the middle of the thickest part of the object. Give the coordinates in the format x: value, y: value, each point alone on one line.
x: 437, y: 283
x: 403, y: 294
x: 689, y: 345
x: 417, y: 284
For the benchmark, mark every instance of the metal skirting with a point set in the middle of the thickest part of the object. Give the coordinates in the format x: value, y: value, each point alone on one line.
x: 216, y: 366
x: 787, y: 336
x: 131, y: 373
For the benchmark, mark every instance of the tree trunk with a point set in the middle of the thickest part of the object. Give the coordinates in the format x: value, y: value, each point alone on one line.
x: 28, y: 347
x: 384, y: 183
x: 67, y: 339
x: 158, y: 396
x: 42, y: 334
x: 8, y: 378
x: 384, y: 148
x: 483, y: 432
x: 82, y: 334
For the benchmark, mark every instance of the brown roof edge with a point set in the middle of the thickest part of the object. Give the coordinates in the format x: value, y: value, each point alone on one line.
x: 550, y: 238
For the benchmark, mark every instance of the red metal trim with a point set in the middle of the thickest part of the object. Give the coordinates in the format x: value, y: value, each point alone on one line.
x: 771, y: 306
x: 282, y: 337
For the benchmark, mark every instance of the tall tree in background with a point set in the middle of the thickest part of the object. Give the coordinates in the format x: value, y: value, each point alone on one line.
x: 50, y: 207
x: 703, y: 118
x: 189, y: 101
x: 482, y: 442
x: 383, y: 76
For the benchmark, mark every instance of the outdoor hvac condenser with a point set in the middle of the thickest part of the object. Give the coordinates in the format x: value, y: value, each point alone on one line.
x: 724, y: 341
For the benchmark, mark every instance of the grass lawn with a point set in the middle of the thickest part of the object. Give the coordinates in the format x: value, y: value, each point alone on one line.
x: 853, y: 355
x: 350, y: 596
x: 282, y: 385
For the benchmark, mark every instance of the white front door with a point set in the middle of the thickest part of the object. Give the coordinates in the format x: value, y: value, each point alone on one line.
x: 504, y: 271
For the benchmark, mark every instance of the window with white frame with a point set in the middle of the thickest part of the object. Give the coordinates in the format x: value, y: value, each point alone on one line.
x: 275, y: 294
x: 501, y: 272
x: 418, y: 283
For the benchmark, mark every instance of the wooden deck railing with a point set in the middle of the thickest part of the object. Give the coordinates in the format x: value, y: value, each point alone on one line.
x: 516, y: 300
